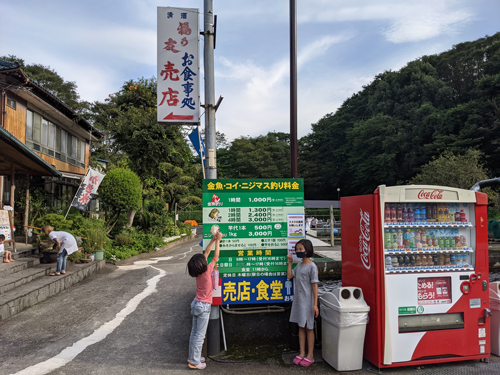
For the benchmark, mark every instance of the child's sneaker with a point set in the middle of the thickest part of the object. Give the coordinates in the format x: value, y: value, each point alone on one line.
x: 199, y: 366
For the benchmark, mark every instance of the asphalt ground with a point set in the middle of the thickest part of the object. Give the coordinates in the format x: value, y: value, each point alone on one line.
x: 135, y: 319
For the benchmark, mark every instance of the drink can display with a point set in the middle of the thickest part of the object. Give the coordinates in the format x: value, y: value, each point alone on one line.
x: 441, y: 259
x: 395, y: 263
x: 423, y: 214
x: 447, y: 260
x: 453, y: 260
x: 413, y: 260
x: 459, y: 261
x: 435, y: 259
x: 407, y: 261
x: 457, y: 241
x: 419, y: 260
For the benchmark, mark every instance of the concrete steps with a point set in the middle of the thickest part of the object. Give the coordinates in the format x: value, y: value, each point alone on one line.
x: 24, y: 283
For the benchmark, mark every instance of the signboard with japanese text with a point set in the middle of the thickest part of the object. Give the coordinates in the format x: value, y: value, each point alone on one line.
x: 5, y: 225
x: 434, y: 290
x: 88, y: 188
x: 178, y: 72
x: 255, y: 217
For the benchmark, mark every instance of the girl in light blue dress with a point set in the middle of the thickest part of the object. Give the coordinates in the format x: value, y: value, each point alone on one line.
x: 305, y: 300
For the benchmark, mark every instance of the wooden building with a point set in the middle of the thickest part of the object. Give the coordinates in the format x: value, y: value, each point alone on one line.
x: 43, y: 142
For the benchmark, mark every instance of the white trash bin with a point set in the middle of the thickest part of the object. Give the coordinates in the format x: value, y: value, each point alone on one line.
x: 344, y: 315
x: 495, y: 317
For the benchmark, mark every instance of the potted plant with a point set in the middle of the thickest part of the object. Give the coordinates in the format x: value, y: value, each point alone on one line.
x: 95, y: 238
x: 49, y: 252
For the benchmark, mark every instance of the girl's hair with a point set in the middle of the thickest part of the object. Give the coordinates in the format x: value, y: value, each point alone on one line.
x: 197, y: 265
x: 308, y: 247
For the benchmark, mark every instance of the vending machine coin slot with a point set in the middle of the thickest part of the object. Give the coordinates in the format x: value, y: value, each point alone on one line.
x: 485, y: 285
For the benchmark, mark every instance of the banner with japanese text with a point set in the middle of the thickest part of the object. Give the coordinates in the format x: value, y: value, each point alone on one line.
x: 178, y: 71
x: 258, y: 218
x: 88, y: 188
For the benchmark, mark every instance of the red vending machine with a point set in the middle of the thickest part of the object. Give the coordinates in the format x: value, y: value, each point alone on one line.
x: 420, y: 255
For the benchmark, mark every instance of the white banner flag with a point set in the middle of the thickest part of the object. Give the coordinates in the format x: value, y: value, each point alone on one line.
x: 87, y: 189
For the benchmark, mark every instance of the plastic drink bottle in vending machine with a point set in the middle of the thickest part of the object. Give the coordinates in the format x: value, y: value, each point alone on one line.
x: 387, y: 213
x: 418, y: 241
x: 400, y: 239
x: 411, y: 239
x: 387, y: 237
x: 423, y: 213
x: 393, y: 213
x: 399, y: 213
x: 406, y: 239
x: 457, y: 216
x: 405, y: 214
x: 411, y: 217
x: 394, y: 241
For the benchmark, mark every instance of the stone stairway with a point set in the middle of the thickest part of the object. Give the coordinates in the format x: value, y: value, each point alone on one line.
x: 25, y: 282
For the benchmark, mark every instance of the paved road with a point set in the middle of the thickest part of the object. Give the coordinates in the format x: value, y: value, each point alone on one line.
x: 134, y: 319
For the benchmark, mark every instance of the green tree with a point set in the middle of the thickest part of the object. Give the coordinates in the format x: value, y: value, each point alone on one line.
x: 121, y: 192
x: 455, y: 170
x: 136, y: 140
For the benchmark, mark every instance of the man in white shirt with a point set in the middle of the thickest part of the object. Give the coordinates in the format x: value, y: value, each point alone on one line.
x: 66, y: 244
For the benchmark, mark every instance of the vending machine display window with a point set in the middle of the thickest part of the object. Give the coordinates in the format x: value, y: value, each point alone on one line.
x: 433, y: 290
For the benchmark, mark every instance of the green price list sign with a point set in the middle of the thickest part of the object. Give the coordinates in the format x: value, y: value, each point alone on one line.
x: 253, y: 215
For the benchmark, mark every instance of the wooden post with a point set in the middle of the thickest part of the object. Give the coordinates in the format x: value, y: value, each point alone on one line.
x: 27, y: 208
x: 12, y: 187
x: 11, y: 220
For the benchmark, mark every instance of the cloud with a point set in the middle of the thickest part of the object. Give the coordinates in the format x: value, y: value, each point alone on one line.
x: 257, y: 96
x: 408, y: 21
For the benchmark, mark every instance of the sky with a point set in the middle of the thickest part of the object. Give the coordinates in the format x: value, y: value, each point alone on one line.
x: 341, y: 46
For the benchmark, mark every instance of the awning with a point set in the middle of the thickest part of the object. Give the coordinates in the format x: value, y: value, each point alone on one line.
x: 15, y: 155
x: 73, y: 176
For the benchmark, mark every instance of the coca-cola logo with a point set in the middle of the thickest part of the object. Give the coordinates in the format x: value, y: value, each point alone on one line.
x: 364, y: 238
x: 435, y: 194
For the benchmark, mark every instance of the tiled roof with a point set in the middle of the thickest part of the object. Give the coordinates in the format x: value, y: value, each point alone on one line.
x: 49, y: 95
x: 9, y: 65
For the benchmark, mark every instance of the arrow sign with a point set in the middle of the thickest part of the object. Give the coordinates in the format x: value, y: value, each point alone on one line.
x: 171, y: 116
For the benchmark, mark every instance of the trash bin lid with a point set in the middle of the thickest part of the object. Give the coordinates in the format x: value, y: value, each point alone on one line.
x: 345, y: 299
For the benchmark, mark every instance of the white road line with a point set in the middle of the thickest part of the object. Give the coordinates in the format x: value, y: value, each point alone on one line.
x: 183, y: 255
x: 68, y: 354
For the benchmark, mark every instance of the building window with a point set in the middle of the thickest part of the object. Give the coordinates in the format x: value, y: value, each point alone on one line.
x: 11, y: 103
x: 45, y: 137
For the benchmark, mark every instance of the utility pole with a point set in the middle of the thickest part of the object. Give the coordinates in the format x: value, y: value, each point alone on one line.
x: 214, y: 328
x: 211, y: 143
x: 293, y: 89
